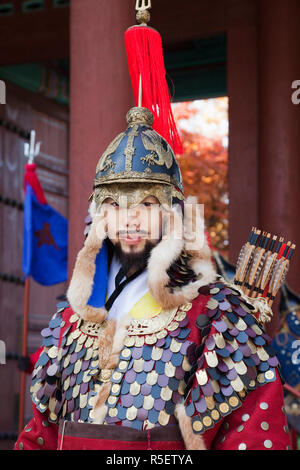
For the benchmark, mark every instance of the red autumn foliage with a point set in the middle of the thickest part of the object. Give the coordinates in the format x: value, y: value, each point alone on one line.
x: 204, y: 167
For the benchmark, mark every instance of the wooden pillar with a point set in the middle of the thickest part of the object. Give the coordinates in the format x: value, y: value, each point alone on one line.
x: 243, y: 135
x: 264, y: 129
x: 100, y: 96
x: 279, y: 124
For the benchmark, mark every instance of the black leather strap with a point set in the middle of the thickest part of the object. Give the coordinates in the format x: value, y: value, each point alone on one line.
x: 119, y: 286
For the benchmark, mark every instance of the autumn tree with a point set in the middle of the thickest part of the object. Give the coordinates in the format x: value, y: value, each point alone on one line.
x: 204, y: 164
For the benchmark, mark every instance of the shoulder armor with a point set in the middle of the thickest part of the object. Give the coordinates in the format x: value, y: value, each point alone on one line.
x: 288, y: 351
x: 234, y: 358
x: 64, y: 373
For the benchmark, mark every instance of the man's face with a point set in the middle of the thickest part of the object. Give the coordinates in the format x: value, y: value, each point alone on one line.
x: 136, y: 228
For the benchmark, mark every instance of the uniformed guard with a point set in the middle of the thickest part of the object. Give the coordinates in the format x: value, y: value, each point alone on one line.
x: 154, y: 350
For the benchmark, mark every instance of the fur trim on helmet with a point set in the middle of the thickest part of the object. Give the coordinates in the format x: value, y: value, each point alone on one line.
x: 81, y: 284
x: 192, y: 241
x: 183, y: 235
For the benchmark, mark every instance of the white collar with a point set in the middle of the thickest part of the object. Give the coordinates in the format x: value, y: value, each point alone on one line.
x: 131, y: 293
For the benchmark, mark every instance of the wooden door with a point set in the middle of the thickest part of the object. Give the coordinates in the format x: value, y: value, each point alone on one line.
x: 22, y: 112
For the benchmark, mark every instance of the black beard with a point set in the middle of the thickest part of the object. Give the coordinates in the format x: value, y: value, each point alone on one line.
x: 137, y: 261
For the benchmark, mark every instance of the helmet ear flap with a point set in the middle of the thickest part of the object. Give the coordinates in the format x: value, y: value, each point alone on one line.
x: 180, y: 202
x: 90, y: 270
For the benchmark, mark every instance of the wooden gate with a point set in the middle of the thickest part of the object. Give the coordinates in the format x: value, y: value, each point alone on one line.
x: 22, y: 112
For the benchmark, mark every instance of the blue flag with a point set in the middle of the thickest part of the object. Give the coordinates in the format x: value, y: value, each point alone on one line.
x: 45, y: 249
x: 98, y: 294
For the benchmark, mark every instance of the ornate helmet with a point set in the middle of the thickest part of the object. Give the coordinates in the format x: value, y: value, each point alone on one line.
x: 141, y: 156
